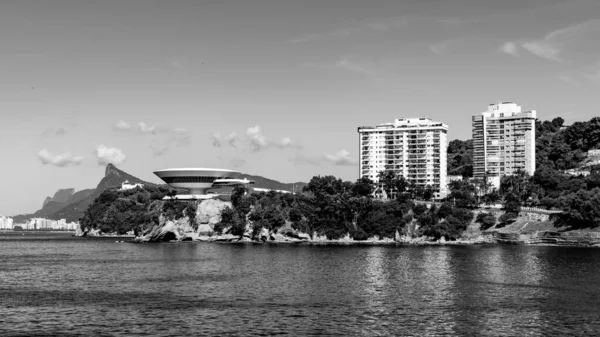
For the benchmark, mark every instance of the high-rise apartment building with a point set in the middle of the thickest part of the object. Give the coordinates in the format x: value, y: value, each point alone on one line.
x: 503, y: 140
x: 414, y: 148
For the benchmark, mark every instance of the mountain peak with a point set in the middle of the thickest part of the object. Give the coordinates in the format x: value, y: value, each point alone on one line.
x: 112, y: 170
x: 48, y: 199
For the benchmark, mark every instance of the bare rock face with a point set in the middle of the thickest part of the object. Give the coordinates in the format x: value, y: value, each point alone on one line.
x: 93, y: 232
x: 78, y: 231
x: 209, y: 211
x: 166, y: 232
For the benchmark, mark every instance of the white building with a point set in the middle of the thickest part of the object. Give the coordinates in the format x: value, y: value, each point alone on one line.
x: 6, y: 223
x: 503, y: 140
x: 127, y: 186
x: 414, y: 148
x: 47, y: 224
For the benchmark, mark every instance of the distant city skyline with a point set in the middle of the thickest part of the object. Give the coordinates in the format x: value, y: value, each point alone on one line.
x: 273, y: 88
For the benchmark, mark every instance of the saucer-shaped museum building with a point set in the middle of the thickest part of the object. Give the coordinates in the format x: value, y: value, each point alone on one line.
x: 198, y: 180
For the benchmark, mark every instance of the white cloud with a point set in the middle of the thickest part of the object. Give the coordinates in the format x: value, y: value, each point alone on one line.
x: 351, y: 66
x: 440, y: 48
x: 180, y: 137
x: 566, y: 79
x: 216, y: 139
x: 122, y: 125
x: 60, y: 160
x: 232, y: 139
x: 384, y: 25
x: 109, y: 155
x: 343, y: 64
x: 163, y: 140
x: 257, y: 140
x: 303, y: 159
x: 510, y: 48
x: 60, y: 131
x: 572, y: 38
x: 543, y: 49
x: 158, y: 150
x: 145, y: 128
x: 341, y: 158
x: 286, y: 142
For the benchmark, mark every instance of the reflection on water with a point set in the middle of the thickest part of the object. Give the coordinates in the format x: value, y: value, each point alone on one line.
x: 60, y: 285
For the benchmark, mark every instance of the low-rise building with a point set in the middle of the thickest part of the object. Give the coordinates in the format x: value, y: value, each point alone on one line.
x: 48, y: 224
x: 6, y: 222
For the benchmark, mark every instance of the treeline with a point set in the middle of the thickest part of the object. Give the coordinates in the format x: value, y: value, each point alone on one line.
x: 334, y: 208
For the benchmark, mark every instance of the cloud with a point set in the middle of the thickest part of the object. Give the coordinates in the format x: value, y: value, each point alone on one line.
x: 543, y: 49
x: 303, y: 159
x: 510, y: 48
x: 59, y: 160
x: 573, y: 38
x: 122, y: 125
x: 109, y: 155
x: 142, y: 127
x: 439, y: 48
x: 232, y: 139
x: 343, y: 64
x: 341, y: 158
x: 348, y: 65
x: 158, y: 150
x: 164, y: 140
x: 383, y: 25
x: 145, y: 128
x: 216, y: 139
x: 566, y: 79
x: 257, y: 140
x: 60, y: 131
x: 287, y: 143
x: 180, y: 137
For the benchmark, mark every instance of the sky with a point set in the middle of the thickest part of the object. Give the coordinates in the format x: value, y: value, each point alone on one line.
x: 274, y: 88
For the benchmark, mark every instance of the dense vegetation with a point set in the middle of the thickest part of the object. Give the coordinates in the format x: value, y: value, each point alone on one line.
x: 119, y: 212
x: 334, y: 208
x: 558, y: 148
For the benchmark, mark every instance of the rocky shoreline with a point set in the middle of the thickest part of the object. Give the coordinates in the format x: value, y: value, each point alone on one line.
x: 208, y: 214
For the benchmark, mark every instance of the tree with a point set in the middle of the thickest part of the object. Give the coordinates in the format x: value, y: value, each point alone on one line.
x: 428, y: 193
x: 363, y: 187
x: 326, y: 185
x: 463, y: 194
x: 486, y: 220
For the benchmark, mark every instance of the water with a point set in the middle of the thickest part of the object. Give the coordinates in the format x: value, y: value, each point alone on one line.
x: 52, y: 284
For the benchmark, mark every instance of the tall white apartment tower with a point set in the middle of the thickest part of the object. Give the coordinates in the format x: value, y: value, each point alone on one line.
x: 414, y: 148
x: 503, y: 140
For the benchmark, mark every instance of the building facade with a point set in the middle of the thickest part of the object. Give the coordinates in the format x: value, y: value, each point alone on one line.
x: 414, y: 148
x: 503, y: 140
x: 6, y: 222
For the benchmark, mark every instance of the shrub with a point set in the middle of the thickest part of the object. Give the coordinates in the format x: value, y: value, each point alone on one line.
x: 359, y: 235
x: 508, y: 218
x: 420, y: 209
x: 486, y: 220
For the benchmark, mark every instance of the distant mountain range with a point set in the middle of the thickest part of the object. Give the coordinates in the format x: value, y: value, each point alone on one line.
x: 66, y: 204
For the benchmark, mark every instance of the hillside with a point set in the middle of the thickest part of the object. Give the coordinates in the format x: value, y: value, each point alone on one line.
x: 113, y: 177
x: 71, y: 206
x: 263, y: 182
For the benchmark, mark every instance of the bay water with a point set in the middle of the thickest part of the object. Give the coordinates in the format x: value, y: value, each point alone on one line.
x: 55, y: 284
